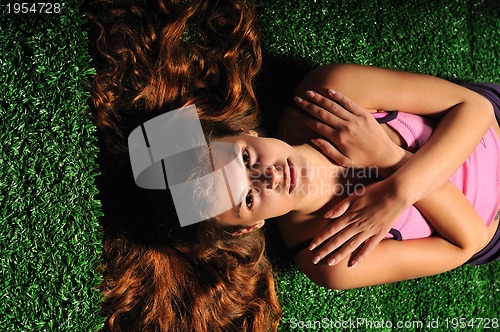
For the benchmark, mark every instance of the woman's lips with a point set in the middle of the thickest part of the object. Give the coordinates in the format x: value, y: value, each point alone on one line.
x: 292, y: 178
x: 286, y: 176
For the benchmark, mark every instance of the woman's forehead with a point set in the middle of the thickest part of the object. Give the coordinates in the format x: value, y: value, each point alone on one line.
x: 233, y: 139
x: 242, y: 139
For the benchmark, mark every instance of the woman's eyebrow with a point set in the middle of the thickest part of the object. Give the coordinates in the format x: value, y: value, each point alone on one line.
x: 241, y: 199
x: 237, y: 209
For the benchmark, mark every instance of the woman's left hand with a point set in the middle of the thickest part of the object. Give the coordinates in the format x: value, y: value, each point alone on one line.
x: 352, y: 136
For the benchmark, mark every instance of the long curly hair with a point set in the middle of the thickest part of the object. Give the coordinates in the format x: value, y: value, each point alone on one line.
x: 217, y: 284
x: 151, y: 58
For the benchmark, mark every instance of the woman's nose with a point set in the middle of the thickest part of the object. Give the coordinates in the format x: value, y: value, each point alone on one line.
x: 267, y: 176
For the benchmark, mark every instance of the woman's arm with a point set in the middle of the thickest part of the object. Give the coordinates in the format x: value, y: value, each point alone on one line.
x: 382, y: 89
x: 448, y: 211
x: 464, y: 115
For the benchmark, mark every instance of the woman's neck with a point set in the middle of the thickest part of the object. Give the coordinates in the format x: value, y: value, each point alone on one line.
x: 328, y: 183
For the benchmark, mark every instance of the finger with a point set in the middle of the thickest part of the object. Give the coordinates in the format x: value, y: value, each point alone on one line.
x: 323, y: 129
x: 331, y: 151
x: 339, y: 209
x: 331, y: 106
x: 347, y: 103
x: 340, y: 240
x: 328, y: 104
x: 334, y: 229
x: 365, y: 250
x: 319, y: 127
x: 320, y: 113
x: 347, y: 249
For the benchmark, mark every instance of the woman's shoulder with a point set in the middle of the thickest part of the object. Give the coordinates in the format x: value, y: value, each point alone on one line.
x: 291, y: 130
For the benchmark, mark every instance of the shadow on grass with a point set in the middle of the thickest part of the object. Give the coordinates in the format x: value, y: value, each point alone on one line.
x: 279, y: 76
x: 275, y: 85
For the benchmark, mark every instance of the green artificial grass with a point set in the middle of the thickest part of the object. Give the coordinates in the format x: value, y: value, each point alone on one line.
x: 50, y: 240
x: 456, y: 40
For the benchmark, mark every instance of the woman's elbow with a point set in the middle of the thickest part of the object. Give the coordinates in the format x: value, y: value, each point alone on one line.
x: 475, y: 242
x: 332, y: 278
x: 482, y: 239
x: 484, y: 109
x: 334, y: 284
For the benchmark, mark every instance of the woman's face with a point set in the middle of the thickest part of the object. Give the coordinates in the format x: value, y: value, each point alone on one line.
x: 276, y: 175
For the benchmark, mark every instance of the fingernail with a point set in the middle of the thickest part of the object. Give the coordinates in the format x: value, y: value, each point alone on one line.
x: 328, y: 215
x: 312, y: 246
x: 297, y: 99
x: 354, y: 264
x: 310, y: 93
x: 332, y: 262
x: 313, y: 141
x: 316, y: 259
x: 332, y: 92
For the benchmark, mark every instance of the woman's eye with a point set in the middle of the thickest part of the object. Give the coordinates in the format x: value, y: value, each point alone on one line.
x: 246, y: 158
x: 249, y: 200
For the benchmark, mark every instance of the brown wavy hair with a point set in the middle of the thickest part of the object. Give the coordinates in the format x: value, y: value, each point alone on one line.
x: 210, y: 283
x: 151, y: 58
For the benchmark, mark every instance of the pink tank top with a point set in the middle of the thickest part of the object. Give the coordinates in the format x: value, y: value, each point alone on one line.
x: 478, y: 178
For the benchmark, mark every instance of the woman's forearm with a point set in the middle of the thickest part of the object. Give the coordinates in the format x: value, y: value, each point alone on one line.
x: 454, y: 218
x: 456, y: 136
x: 449, y: 212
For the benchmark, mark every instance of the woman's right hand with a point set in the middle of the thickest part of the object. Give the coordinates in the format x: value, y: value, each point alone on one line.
x: 352, y: 136
x: 360, y: 222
